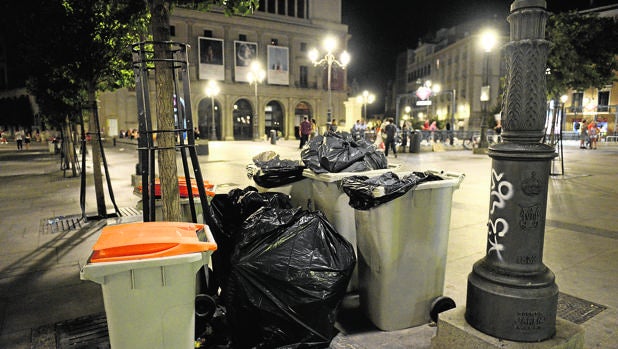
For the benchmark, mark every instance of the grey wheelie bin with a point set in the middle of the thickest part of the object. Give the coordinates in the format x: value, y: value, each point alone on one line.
x: 402, y: 246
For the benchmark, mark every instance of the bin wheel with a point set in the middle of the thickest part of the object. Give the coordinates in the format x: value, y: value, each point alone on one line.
x: 439, y: 305
x: 205, y: 306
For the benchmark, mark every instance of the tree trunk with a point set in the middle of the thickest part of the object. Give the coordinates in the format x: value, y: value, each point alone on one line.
x: 70, y: 154
x: 96, y: 152
x: 165, y: 114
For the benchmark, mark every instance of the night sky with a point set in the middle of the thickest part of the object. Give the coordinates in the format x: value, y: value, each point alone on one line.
x: 381, y: 30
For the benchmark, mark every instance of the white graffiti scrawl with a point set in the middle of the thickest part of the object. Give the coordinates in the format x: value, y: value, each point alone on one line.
x: 501, y: 192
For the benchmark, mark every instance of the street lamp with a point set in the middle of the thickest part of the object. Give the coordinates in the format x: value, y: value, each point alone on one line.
x: 212, y: 89
x: 365, y: 98
x: 488, y: 40
x: 256, y: 76
x: 329, y: 45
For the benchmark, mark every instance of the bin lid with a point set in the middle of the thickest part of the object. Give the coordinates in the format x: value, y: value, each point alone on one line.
x: 144, y: 240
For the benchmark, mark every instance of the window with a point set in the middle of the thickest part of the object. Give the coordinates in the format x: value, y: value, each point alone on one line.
x: 172, y: 30
x: 208, y: 33
x: 242, y: 37
x: 291, y: 7
x: 281, y: 7
x: 274, y: 42
x: 303, y: 47
x: 271, y: 6
x: 262, y: 6
x: 603, y: 101
x: 578, y: 101
x: 303, y: 76
x: 300, y: 12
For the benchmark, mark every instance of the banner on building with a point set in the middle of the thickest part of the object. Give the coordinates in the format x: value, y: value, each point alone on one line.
x: 244, y: 53
x: 211, y: 59
x: 278, y: 65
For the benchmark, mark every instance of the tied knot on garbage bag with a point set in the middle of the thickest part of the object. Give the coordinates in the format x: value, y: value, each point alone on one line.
x: 340, y: 152
x: 269, y: 171
x: 365, y: 192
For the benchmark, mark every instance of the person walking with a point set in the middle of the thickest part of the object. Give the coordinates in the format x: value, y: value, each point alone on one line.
x: 593, y: 134
x: 27, y: 140
x: 333, y: 125
x: 404, y: 136
x: 583, y: 134
x: 391, y: 134
x: 498, y: 131
x: 304, y: 131
x: 314, y: 129
x: 19, y: 138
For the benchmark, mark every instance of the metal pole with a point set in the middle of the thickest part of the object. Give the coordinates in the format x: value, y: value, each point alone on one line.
x: 511, y: 294
x: 483, y: 144
x: 330, y: 96
x: 213, y: 130
x: 257, y: 114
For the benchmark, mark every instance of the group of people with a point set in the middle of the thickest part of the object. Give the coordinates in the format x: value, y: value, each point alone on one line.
x: 22, y: 138
x: 589, y: 133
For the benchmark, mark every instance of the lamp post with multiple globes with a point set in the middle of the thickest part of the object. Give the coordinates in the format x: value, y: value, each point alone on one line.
x: 365, y: 98
x: 330, y: 44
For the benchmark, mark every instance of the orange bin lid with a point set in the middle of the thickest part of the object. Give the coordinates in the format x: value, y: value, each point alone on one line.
x: 144, y: 240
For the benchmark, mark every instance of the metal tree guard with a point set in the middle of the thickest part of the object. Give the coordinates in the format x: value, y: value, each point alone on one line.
x: 143, y: 62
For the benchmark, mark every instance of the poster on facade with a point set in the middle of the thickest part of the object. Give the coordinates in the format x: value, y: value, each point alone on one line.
x: 244, y: 54
x: 211, y: 59
x: 278, y: 65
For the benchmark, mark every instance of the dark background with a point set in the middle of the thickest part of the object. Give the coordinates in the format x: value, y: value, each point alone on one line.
x: 380, y: 30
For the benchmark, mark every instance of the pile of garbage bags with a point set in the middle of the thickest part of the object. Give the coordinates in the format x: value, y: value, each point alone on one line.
x: 282, y: 271
x: 340, y: 152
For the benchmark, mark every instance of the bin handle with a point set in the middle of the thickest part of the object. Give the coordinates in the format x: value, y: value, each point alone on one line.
x: 452, y: 175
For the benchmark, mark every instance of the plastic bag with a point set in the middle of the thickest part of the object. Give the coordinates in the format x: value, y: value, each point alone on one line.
x: 272, y: 172
x: 290, y: 271
x: 365, y: 192
x: 339, y: 152
x: 227, y: 213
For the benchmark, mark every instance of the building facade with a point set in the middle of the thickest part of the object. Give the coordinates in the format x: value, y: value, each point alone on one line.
x: 452, y: 68
x: 279, y: 36
x: 593, y: 104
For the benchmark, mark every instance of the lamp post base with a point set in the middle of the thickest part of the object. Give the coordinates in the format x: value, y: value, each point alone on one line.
x: 518, y: 308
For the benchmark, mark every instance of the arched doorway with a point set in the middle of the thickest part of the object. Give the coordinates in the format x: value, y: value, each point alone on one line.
x: 302, y: 109
x: 243, y: 118
x: 274, y: 118
x: 204, y: 118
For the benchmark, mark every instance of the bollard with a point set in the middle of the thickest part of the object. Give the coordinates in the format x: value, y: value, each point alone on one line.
x: 273, y: 136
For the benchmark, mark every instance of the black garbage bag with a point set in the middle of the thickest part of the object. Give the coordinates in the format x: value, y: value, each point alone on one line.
x: 365, y: 192
x: 338, y: 152
x: 290, y: 272
x: 227, y: 214
x: 309, y: 154
x: 272, y: 172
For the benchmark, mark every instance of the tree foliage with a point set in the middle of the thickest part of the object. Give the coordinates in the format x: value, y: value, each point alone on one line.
x: 583, y: 51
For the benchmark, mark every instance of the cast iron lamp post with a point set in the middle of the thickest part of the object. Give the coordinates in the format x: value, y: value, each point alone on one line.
x: 212, y: 89
x: 256, y: 76
x: 329, y: 59
x: 511, y: 294
x: 488, y: 40
x: 365, y: 98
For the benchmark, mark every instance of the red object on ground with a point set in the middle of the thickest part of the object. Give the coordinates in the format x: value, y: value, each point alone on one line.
x: 182, y: 188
